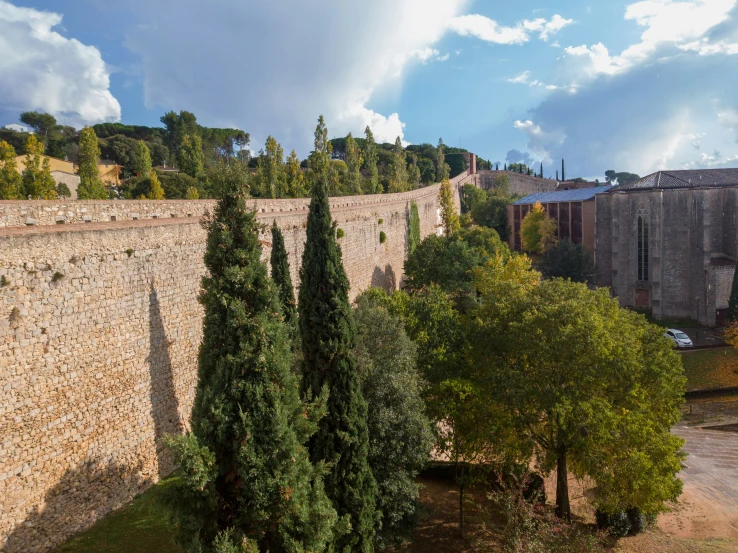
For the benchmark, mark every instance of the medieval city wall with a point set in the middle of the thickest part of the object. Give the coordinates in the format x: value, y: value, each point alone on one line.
x: 520, y: 184
x: 99, y: 332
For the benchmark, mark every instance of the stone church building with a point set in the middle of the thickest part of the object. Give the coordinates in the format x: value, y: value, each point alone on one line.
x: 668, y: 243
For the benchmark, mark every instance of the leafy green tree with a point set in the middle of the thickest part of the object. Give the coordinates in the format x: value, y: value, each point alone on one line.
x: 612, y: 177
x: 90, y: 187
x: 143, y: 161
x: 568, y: 261
x: 492, y: 213
x: 427, y: 170
x: 11, y: 185
x: 43, y: 124
x: 401, y: 436
x: 442, y: 169
x: 353, y: 164
x: 321, y: 156
x: 190, y: 156
x: 192, y: 194
x: 37, y: 180
x: 156, y: 192
x: 296, y: 186
x: 282, y: 278
x: 449, y: 217
x: 271, y: 180
x: 122, y: 150
x: 62, y: 190
x: 413, y: 228
x: 537, y: 230
x: 413, y: 173
x: 593, y: 387
x: 370, y: 159
x: 501, y: 186
x: 246, y: 483
x: 470, y: 197
x: 398, y: 170
x: 328, y: 337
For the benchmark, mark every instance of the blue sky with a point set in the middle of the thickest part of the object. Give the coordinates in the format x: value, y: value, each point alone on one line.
x: 626, y: 85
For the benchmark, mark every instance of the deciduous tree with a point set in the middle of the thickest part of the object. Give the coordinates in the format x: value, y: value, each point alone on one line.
x: 442, y: 169
x: 156, y: 192
x: 246, y: 483
x: 353, y: 165
x: 11, y: 185
x: 296, y: 187
x: 398, y: 170
x: 37, y: 180
x: 568, y: 261
x: 190, y: 156
x: 370, y: 159
x: 328, y: 336
x: 449, y: 217
x: 271, y: 180
x: 143, y: 160
x: 90, y: 187
x: 538, y: 230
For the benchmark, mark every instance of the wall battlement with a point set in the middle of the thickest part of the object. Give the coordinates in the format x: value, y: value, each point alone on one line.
x: 99, y: 332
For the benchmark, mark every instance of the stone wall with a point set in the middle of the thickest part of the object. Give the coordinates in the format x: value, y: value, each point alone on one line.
x: 99, y: 332
x: 520, y: 185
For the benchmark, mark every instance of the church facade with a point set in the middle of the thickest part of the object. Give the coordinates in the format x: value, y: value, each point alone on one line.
x: 668, y: 243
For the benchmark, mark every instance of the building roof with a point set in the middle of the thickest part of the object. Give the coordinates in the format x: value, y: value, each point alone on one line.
x: 683, y: 179
x: 577, y: 195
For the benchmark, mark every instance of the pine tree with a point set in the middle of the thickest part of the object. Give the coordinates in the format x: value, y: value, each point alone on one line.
x: 281, y: 277
x: 450, y: 218
x: 143, y: 160
x: 156, y: 192
x: 353, y: 165
x: 371, y: 157
x: 398, y: 170
x: 327, y: 331
x: 90, y: 187
x: 246, y: 482
x: 732, y: 315
x: 38, y: 184
x: 11, y: 185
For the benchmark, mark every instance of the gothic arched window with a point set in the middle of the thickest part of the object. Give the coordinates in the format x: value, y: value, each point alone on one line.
x: 642, y: 222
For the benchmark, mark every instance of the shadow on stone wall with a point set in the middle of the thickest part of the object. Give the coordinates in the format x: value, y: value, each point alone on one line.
x: 384, y: 279
x: 82, y: 496
x: 164, y: 403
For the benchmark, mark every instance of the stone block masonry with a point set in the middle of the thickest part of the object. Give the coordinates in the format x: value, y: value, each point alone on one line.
x: 99, y: 332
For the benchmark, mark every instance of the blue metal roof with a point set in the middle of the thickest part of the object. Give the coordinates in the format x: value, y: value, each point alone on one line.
x: 579, y: 195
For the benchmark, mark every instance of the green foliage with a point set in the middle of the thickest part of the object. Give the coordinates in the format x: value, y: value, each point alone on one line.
x: 321, y: 155
x: 413, y: 239
x: 353, y: 164
x: 90, y: 187
x: 245, y: 473
x: 382, y: 237
x: 62, y: 190
x: 456, y: 164
x: 398, y: 169
x: 612, y: 177
x: 190, y: 156
x: 328, y: 337
x: 37, y: 180
x: 470, y: 197
x: 449, y: 217
x: 567, y: 261
x: 156, y: 192
x: 296, y: 185
x: 501, y: 185
x: 192, y: 193
x: 413, y: 173
x: 492, y: 213
x: 443, y: 171
x: 271, y: 178
x: 11, y: 185
x: 43, y: 124
x: 340, y: 233
x: 282, y: 278
x: 370, y: 160
x: 401, y: 436
x: 595, y: 388
x: 143, y: 160
x: 537, y: 231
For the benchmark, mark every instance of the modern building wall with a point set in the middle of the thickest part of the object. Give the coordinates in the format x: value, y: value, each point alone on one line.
x: 574, y: 220
x: 99, y: 331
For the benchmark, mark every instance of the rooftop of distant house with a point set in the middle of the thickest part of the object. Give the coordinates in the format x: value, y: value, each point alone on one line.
x: 577, y: 195
x: 688, y: 178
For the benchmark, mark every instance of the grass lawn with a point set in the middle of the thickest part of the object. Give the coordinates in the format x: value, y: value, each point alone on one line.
x: 139, y: 527
x: 711, y: 368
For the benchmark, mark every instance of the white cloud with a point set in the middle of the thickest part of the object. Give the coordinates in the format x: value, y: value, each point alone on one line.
x: 312, y: 58
x: 42, y: 70
x: 489, y: 30
x: 523, y: 78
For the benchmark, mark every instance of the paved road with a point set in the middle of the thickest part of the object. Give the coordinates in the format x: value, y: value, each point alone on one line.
x: 712, y: 466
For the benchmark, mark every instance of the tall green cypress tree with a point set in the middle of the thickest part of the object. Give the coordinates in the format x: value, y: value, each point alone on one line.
x: 246, y: 479
x: 281, y: 277
x: 328, y: 338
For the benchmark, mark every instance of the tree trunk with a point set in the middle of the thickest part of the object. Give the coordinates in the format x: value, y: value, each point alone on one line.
x: 461, y: 509
x: 563, y: 509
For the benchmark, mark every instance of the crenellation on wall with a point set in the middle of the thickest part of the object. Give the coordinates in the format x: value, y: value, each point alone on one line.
x: 99, y: 333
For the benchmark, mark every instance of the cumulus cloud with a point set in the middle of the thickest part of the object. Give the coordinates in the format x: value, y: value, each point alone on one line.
x: 489, y: 30
x: 273, y: 67
x: 42, y: 70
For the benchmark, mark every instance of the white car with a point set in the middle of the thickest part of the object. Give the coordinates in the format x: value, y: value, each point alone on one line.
x: 680, y: 339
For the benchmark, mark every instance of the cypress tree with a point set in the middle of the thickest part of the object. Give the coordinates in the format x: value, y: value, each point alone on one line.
x: 91, y: 187
x: 281, y: 277
x: 246, y: 482
x: 563, y: 173
x: 328, y: 338
x: 733, y: 301
x: 541, y: 175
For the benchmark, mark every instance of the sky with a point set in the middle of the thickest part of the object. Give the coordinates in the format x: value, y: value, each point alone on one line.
x: 634, y: 86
